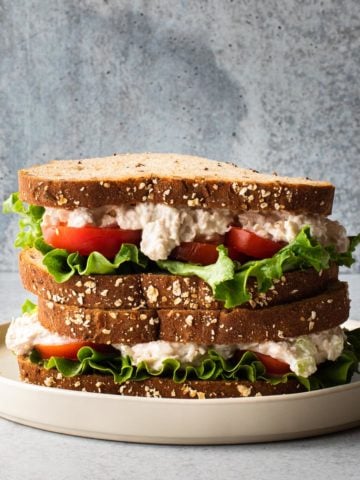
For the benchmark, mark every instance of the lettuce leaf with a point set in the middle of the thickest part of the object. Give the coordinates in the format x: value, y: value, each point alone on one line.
x: 215, y: 275
x: 28, y: 307
x: 62, y: 265
x: 212, y: 367
x: 29, y: 223
x: 230, y: 284
x: 345, y: 259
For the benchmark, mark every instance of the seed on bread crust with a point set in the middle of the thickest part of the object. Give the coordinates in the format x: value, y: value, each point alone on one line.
x: 241, y: 325
x: 224, y: 327
x: 100, y: 326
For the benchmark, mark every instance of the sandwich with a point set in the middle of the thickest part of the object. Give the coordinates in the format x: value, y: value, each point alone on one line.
x: 164, y: 275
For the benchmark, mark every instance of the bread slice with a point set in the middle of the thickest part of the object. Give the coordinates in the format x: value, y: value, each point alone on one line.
x: 240, y: 325
x: 158, y: 291
x: 177, y: 180
x: 311, y: 315
x: 153, y: 387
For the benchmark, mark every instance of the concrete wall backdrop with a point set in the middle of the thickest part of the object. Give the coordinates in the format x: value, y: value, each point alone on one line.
x: 271, y: 85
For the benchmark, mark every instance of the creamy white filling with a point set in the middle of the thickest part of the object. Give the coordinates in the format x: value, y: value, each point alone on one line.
x: 26, y: 331
x: 164, y: 227
x: 284, y: 226
x: 303, y: 353
x: 154, y: 353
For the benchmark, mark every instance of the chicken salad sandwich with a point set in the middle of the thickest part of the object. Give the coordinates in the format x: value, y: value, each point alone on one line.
x: 167, y: 275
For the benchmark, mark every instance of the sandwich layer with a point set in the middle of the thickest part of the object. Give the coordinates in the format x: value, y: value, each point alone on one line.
x: 180, y: 180
x: 320, y: 312
x: 152, y: 387
x: 159, y: 291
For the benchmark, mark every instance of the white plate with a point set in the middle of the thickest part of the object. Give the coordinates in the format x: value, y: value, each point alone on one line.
x: 172, y: 421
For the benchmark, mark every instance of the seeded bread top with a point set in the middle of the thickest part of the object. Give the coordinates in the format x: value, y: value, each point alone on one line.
x: 177, y: 180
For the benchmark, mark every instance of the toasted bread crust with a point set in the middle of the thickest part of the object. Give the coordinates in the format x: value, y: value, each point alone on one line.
x: 240, y: 325
x: 158, y: 291
x: 176, y: 180
x: 153, y: 387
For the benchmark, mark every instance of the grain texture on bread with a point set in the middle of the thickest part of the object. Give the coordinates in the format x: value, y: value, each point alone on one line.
x: 152, y: 387
x: 239, y: 325
x: 176, y: 180
x: 160, y: 290
x: 311, y: 315
x: 99, y: 326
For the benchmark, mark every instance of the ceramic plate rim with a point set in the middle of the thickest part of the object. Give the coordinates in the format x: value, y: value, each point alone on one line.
x: 193, y: 421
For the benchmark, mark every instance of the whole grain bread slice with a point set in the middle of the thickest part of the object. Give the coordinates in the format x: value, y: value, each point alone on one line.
x: 156, y: 387
x: 160, y: 290
x: 99, y: 326
x: 240, y: 325
x: 311, y: 315
x: 177, y: 180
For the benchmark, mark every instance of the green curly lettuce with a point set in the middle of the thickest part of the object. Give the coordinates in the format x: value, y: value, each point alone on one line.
x: 345, y: 259
x: 28, y: 307
x: 212, y: 367
x: 29, y: 222
x: 62, y: 265
x: 215, y: 275
x: 229, y: 280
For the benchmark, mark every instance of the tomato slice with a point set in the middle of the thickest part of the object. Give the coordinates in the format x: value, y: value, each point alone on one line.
x: 196, y: 252
x: 90, y: 239
x: 69, y: 350
x: 272, y: 365
x: 251, y: 244
x: 201, y: 253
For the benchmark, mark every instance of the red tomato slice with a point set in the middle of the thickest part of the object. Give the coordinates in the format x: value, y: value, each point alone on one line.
x: 69, y: 350
x: 201, y: 253
x: 272, y: 365
x: 251, y: 244
x: 196, y: 252
x: 90, y: 239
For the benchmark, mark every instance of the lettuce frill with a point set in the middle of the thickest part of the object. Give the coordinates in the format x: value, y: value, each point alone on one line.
x: 62, y: 265
x: 229, y: 279
x: 29, y: 221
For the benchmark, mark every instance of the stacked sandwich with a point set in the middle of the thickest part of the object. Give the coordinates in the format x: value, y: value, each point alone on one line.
x: 173, y: 276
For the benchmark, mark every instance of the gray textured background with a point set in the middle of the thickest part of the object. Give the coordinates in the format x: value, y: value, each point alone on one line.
x: 271, y: 85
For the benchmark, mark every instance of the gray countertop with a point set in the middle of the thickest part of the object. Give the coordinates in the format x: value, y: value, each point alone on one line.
x: 27, y: 453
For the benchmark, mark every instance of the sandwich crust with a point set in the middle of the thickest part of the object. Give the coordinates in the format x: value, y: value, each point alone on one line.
x: 172, y: 179
x: 239, y: 325
x: 153, y: 387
